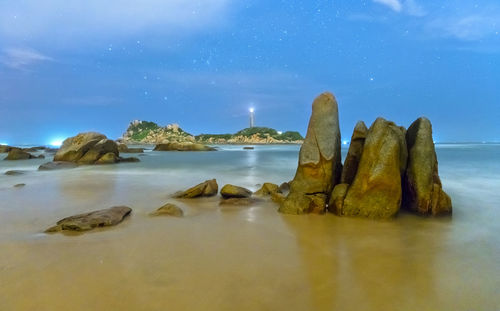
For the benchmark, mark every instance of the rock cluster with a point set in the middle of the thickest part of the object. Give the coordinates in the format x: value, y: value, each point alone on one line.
x: 19, y: 154
x: 387, y: 168
x: 186, y: 146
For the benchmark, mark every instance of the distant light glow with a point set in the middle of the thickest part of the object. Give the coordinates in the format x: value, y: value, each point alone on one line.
x: 251, y: 109
x: 56, y: 142
x: 345, y: 142
x: 3, y: 144
x: 280, y: 132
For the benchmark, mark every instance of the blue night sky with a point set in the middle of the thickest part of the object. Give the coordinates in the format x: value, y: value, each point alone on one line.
x: 72, y: 66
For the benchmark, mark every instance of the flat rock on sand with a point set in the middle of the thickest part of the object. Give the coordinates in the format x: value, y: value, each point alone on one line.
x: 168, y: 209
x: 88, y: 221
x: 231, y: 191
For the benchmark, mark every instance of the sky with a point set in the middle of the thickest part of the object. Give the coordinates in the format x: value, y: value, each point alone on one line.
x: 69, y: 66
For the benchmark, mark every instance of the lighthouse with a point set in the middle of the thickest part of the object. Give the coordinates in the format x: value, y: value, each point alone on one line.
x: 252, y: 117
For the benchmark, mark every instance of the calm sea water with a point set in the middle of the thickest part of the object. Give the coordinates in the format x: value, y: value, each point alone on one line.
x: 243, y: 258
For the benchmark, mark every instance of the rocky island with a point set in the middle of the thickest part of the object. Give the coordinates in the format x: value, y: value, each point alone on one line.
x: 146, y: 132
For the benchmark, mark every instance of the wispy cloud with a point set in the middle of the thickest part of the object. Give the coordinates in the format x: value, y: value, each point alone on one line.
x: 394, y: 5
x: 468, y: 27
x: 21, y: 58
x: 410, y: 7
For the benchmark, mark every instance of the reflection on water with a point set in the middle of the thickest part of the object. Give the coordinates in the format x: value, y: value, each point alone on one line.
x: 243, y: 258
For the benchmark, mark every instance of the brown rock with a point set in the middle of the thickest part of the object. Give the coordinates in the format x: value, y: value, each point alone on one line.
x: 19, y: 185
x: 231, y: 191
x: 56, y: 165
x: 100, y: 149
x: 108, y: 158
x: 14, y: 173
x: 319, y: 165
x: 336, y: 202
x: 125, y: 149
x: 267, y: 189
x: 207, y: 188
x: 423, y: 192
x: 376, y: 189
x: 186, y: 146
x: 354, y: 154
x: 74, y: 148
x: 168, y: 209
x: 18, y: 154
x: 129, y: 160
x: 88, y: 221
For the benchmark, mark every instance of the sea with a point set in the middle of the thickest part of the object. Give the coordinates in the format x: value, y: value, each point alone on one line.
x: 243, y: 257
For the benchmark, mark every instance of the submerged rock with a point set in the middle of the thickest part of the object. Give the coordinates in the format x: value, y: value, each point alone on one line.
x: 129, y: 160
x: 187, y: 146
x: 248, y: 148
x: 14, y: 173
x: 267, y: 189
x: 18, y: 154
x: 56, y: 165
x: 231, y: 191
x: 319, y: 165
x: 239, y: 201
x: 88, y: 221
x: 354, y: 154
x: 207, y: 188
x: 168, y: 209
x: 376, y: 189
x: 423, y: 192
x: 19, y: 185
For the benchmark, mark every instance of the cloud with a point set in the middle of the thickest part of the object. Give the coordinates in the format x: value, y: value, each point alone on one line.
x: 394, y: 5
x: 75, y: 19
x: 21, y: 58
x: 468, y: 28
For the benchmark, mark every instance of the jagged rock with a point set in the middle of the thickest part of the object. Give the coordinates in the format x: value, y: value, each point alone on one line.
x: 319, y: 165
x: 56, y: 165
x: 108, y: 158
x: 19, y: 185
x: 101, y: 218
x: 183, y: 147
x: 74, y: 148
x: 125, y: 149
x: 207, y: 188
x: 14, y: 173
x: 267, y: 189
x: 18, y: 154
x: 354, y: 154
x: 168, y: 209
x: 337, y: 197
x: 422, y: 191
x: 376, y: 189
x: 231, y: 191
x: 129, y: 160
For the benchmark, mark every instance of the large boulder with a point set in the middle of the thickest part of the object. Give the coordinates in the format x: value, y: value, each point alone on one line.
x: 231, y: 191
x: 422, y: 190
x: 319, y: 167
x: 207, y: 188
x: 376, y: 189
x: 74, y: 148
x: 185, y: 146
x: 83, y: 222
x: 103, y: 148
x: 18, y: 154
x: 354, y: 154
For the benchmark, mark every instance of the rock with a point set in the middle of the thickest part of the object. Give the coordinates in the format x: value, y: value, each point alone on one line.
x: 18, y: 154
x: 231, y: 191
x: 101, y: 218
x: 19, y: 185
x: 34, y: 149
x: 207, y: 188
x: 5, y: 148
x: 14, y: 173
x: 56, y: 165
x: 125, y: 149
x: 168, y: 209
x: 336, y: 202
x: 422, y: 190
x: 319, y: 165
x: 239, y: 201
x: 284, y: 187
x: 278, y: 198
x: 51, y: 150
x: 74, y: 148
x: 248, y: 148
x: 376, y: 189
x: 354, y: 154
x: 186, y: 146
x: 129, y: 160
x: 108, y: 158
x: 267, y: 189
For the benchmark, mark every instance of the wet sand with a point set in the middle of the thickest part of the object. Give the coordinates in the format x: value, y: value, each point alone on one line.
x: 238, y: 258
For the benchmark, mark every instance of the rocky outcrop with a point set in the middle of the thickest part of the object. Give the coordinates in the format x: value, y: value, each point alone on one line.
x: 151, y: 133
x: 252, y: 136
x: 168, y: 209
x: 5, y: 148
x: 423, y: 192
x: 207, y: 188
x: 319, y: 165
x: 18, y: 154
x: 56, y: 165
x: 183, y: 147
x: 376, y: 190
x: 231, y: 191
x: 267, y: 189
x: 88, y: 221
x: 354, y: 154
x: 15, y: 172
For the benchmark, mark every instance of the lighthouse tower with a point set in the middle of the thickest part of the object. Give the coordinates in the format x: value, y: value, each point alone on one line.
x: 252, y: 117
